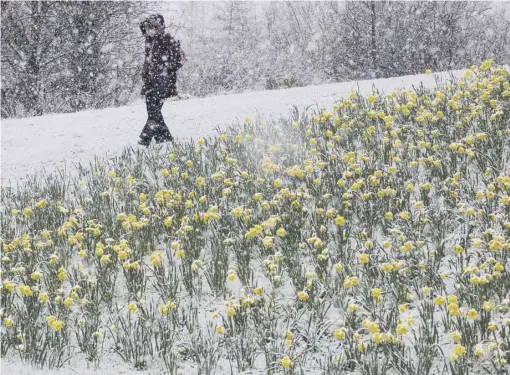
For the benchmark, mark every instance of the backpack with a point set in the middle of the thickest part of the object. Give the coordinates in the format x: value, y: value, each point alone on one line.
x: 178, y: 53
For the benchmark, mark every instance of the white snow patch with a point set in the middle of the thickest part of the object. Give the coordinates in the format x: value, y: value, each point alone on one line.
x: 107, y: 47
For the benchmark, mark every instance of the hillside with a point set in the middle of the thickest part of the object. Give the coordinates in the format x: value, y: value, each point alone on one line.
x: 59, y: 141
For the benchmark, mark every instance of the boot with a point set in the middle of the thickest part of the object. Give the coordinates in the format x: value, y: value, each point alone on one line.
x: 167, y: 137
x: 144, y: 142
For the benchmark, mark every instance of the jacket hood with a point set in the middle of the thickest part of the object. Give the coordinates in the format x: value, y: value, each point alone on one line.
x: 154, y: 20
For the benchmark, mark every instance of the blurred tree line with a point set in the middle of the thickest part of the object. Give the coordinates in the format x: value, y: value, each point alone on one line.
x: 281, y: 44
x: 68, y: 56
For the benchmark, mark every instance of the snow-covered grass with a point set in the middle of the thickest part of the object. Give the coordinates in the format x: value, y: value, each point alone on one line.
x: 369, y: 237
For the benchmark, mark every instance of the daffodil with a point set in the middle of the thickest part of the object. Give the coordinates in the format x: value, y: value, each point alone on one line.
x: 459, y: 350
x: 156, y: 258
x: 439, y: 301
x: 62, y: 274
x: 286, y: 362
x: 456, y: 336
x: 339, y: 334
x: 43, y: 297
x: 488, y: 306
x: 105, y: 259
x: 132, y: 308
x: 364, y: 258
x: 25, y: 290
x: 8, y: 322
x: 472, y: 314
x: 340, y: 221
x: 478, y: 351
x: 68, y: 303
x: 303, y: 296
x: 57, y: 325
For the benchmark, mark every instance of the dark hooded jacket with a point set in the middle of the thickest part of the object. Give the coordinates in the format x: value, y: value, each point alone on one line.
x: 162, y: 59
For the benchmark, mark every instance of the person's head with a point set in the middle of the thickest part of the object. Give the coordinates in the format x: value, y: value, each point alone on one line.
x: 153, y: 25
x: 151, y: 30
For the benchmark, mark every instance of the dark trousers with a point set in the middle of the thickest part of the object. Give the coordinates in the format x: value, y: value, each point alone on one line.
x: 155, y: 126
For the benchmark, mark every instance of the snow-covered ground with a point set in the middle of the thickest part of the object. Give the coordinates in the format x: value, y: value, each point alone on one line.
x: 108, y: 367
x: 58, y: 141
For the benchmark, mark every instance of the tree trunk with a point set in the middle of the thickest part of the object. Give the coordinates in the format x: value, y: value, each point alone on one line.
x: 373, y: 35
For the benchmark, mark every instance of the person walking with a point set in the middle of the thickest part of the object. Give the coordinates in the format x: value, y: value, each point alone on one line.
x: 159, y: 76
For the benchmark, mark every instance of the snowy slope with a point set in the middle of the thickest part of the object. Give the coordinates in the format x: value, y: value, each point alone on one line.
x: 56, y: 141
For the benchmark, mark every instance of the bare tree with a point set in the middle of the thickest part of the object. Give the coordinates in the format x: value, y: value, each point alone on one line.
x: 68, y: 56
x: 28, y: 49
